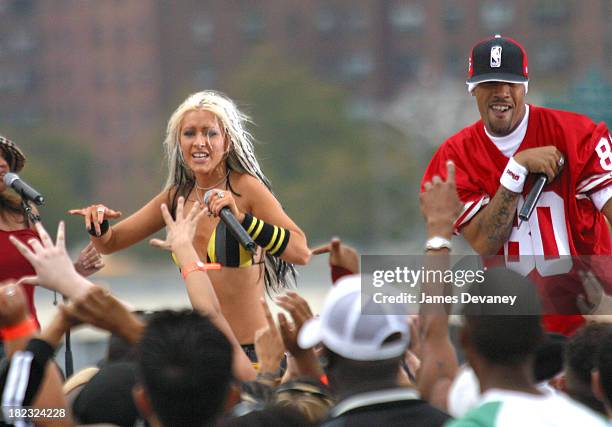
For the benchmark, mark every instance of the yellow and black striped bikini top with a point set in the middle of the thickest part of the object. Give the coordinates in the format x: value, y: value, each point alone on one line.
x: 225, y: 249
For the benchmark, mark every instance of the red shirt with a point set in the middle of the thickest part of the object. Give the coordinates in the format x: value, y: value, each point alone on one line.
x: 14, y: 266
x: 565, y: 221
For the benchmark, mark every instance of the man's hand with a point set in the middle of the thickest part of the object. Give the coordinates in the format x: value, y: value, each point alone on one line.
x: 89, y: 261
x: 340, y: 255
x: 547, y: 160
x: 440, y: 204
x: 99, y: 308
x: 268, y: 344
x: 13, y: 304
x: 300, y: 312
x: 54, y: 270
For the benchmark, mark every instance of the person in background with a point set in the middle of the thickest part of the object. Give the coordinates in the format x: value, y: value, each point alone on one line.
x: 602, y: 375
x: 363, y: 356
x: 581, y: 355
x: 498, y: 160
x: 500, y: 344
x: 15, y: 222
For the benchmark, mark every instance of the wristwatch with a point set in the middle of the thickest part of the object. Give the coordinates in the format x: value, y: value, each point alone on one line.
x: 436, y: 243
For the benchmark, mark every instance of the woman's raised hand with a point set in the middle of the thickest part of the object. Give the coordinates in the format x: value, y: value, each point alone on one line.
x: 94, y: 216
x: 54, y: 269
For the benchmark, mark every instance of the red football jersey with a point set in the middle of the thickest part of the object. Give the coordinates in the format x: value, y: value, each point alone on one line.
x: 565, y: 221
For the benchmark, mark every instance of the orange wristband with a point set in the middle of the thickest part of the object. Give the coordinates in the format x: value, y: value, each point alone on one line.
x: 20, y: 330
x: 199, y: 266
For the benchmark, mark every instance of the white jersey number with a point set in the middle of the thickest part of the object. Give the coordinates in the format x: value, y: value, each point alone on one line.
x: 542, y: 242
x: 604, y: 152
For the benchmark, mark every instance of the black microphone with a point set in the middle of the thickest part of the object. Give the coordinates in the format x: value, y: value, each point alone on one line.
x: 234, y: 226
x: 24, y: 190
x: 532, y: 198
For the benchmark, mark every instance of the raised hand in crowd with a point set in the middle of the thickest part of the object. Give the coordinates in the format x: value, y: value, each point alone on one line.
x: 180, y: 231
x: 595, y: 304
x: 268, y: 344
x: 179, y: 239
x: 13, y: 304
x: 95, y: 215
x: 343, y: 259
x: 89, y: 261
x: 54, y: 269
x: 16, y: 326
x: 99, y: 308
x: 440, y: 206
x: 17, y: 330
x: 305, y: 361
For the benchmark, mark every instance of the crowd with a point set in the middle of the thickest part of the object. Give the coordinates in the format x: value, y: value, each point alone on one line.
x: 229, y: 362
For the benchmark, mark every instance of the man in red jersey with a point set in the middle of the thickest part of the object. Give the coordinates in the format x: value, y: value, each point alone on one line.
x: 497, y: 159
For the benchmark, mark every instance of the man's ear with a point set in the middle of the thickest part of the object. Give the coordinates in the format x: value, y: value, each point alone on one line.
x: 142, y: 402
x: 596, y: 385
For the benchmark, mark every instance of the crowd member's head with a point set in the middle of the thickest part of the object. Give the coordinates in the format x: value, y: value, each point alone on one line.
x: 549, y: 357
x: 362, y: 351
x: 602, y: 376
x: 119, y: 350
x: 185, y: 367
x: 498, y: 78
x: 107, y: 397
x: 581, y: 355
x: 508, y: 340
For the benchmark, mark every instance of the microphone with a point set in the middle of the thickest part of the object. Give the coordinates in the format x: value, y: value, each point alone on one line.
x: 24, y: 190
x: 532, y: 198
x: 234, y: 226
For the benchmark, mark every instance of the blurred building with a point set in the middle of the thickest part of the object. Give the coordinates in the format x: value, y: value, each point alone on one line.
x: 111, y: 71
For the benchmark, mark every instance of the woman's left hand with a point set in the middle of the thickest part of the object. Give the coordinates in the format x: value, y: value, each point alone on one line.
x: 89, y: 261
x: 220, y: 199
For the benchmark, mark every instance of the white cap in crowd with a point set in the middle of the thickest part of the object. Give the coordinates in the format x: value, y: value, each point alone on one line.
x: 344, y: 329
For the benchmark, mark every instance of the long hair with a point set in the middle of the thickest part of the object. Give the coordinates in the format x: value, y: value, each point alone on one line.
x: 10, y: 205
x: 241, y: 159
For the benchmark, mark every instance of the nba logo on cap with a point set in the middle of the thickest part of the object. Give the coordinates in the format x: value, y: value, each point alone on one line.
x: 496, y: 52
x: 486, y: 65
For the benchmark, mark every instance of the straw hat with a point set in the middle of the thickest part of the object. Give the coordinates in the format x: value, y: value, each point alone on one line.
x: 13, y: 154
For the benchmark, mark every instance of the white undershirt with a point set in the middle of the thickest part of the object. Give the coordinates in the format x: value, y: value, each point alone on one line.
x: 510, y: 143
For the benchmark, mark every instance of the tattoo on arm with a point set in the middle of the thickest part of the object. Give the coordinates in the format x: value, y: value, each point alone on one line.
x: 497, y: 222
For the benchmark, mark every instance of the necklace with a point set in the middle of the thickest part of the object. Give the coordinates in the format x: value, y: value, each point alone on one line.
x: 214, y: 185
x: 199, y: 197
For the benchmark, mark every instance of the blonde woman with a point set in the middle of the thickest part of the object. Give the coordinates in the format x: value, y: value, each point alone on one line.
x: 209, y: 149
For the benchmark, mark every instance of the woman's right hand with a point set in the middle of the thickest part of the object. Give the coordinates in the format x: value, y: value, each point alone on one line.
x: 94, y: 216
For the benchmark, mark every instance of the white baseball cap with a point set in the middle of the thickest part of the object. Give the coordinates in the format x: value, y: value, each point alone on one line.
x: 345, y: 330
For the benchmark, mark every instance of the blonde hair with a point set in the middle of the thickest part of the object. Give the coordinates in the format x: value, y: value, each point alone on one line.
x: 241, y: 157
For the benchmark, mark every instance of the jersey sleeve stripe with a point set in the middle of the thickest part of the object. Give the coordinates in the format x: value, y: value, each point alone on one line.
x: 594, y: 183
x: 469, y: 210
